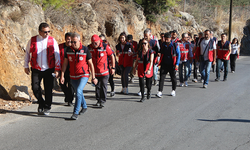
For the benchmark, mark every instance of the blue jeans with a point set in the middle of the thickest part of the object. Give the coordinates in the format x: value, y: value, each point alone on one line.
x: 189, y: 65
x: 219, y: 66
x: 185, y: 65
x: 155, y: 71
x: 80, y: 100
x: 205, y: 67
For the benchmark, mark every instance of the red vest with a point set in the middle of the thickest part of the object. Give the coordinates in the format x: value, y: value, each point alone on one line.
x: 50, y: 53
x: 61, y: 50
x: 78, y: 66
x: 183, y: 51
x: 124, y: 59
x: 141, y: 71
x: 223, y: 50
x: 100, y: 59
x: 173, y: 53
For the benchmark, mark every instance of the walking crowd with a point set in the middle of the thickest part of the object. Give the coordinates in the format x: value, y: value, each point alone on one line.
x: 73, y: 63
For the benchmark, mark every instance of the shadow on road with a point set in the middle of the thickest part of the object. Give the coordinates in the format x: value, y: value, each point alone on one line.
x: 226, y: 120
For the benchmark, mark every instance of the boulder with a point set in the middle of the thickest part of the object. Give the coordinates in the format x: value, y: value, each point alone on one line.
x: 19, y: 93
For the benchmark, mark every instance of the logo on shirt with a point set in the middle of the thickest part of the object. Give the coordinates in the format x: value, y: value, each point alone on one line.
x: 102, y: 54
x: 70, y: 58
x: 81, y: 58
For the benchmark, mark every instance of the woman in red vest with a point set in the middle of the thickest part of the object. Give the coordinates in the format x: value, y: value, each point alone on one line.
x: 144, y: 61
x: 124, y: 51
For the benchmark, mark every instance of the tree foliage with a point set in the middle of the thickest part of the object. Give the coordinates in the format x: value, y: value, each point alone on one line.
x: 57, y: 4
x: 153, y: 7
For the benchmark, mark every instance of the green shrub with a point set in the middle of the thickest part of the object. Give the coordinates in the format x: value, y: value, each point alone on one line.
x: 57, y: 4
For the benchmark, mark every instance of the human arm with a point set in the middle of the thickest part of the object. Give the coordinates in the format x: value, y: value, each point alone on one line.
x: 64, y: 67
x: 136, y: 63
x: 57, y: 59
x: 178, y: 57
x: 151, y: 63
x: 91, y: 67
x: 27, y: 59
x: 229, y: 51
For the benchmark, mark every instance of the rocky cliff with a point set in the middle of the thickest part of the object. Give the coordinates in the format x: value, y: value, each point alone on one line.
x: 245, y: 41
x: 19, y: 21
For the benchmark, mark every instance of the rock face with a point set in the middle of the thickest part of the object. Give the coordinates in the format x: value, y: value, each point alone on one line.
x: 19, y: 93
x: 245, y: 41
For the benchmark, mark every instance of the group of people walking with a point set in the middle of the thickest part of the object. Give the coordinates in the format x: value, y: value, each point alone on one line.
x: 73, y: 63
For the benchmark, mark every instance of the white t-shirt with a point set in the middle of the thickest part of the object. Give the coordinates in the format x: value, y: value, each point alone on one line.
x: 203, y: 45
x: 235, y: 48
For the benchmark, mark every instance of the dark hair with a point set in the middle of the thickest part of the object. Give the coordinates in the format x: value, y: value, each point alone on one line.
x: 207, y: 31
x: 201, y: 33
x: 223, y: 34
x: 43, y: 25
x: 167, y: 35
x: 174, y: 31
x: 130, y: 37
x: 140, y: 44
x: 190, y: 34
x: 195, y: 35
x: 102, y: 35
x: 234, y: 40
x: 68, y: 34
x: 122, y: 34
x: 162, y: 34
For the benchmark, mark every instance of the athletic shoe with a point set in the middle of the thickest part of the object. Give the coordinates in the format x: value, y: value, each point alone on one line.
x: 122, y: 91
x: 186, y: 84
x: 173, y: 93
x: 142, y: 99
x: 112, y: 94
x: 126, y: 91
x: 83, y: 111
x: 74, y: 117
x: 40, y: 111
x: 225, y: 79
x: 159, y: 94
x: 181, y: 84
x: 195, y: 80
x: 217, y: 80
x: 139, y: 93
x: 46, y: 112
x: 149, y: 95
x: 205, y: 86
x: 201, y: 81
x: 102, y: 104
x: 131, y: 80
x: 233, y: 71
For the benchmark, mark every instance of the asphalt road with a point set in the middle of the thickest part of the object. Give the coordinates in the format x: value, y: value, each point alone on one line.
x: 216, y: 118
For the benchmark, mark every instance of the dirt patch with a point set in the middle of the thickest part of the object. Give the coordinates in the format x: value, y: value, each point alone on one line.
x: 12, y: 105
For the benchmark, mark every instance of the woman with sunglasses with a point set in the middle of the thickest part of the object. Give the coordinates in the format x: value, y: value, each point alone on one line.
x: 234, y: 54
x: 124, y: 51
x: 145, y: 58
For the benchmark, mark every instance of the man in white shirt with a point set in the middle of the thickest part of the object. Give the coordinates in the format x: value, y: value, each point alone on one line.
x: 42, y: 52
x: 208, y: 53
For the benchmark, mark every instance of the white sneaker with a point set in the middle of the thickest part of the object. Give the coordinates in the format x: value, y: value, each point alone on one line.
x: 201, y: 81
x: 195, y: 80
x: 186, y: 83
x: 173, y: 93
x: 139, y: 93
x: 181, y: 84
x: 159, y: 94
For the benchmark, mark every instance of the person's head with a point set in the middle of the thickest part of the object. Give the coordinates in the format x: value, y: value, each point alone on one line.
x: 174, y: 34
x: 189, y: 37
x: 201, y: 35
x: 212, y: 34
x: 68, y: 38
x: 44, y: 30
x: 122, y: 38
x: 207, y: 34
x: 162, y: 36
x: 95, y: 41
x: 235, y: 41
x: 130, y: 38
x: 223, y: 37
x: 184, y: 37
x: 147, y: 33
x: 145, y: 44
x: 102, y: 37
x: 167, y: 37
x: 195, y: 36
x: 75, y: 41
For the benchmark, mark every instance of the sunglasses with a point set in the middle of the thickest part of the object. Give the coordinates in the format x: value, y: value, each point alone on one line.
x: 46, y: 32
x: 144, y: 43
x: 74, y: 42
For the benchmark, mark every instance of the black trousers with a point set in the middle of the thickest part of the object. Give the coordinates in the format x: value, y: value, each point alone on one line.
x: 233, y: 58
x: 101, y: 89
x: 195, y: 69
x: 111, y: 82
x: 148, y: 85
x: 67, y: 88
x: 165, y: 69
x: 48, y: 81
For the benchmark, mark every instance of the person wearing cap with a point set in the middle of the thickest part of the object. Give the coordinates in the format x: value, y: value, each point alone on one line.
x: 67, y: 88
x: 174, y: 37
x: 134, y: 44
x: 100, y: 53
x: 78, y: 58
x: 169, y: 61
